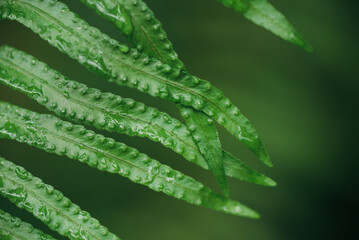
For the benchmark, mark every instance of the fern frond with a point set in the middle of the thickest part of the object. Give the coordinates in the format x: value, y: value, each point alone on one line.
x: 63, y: 138
x: 12, y: 228
x: 149, y: 37
x: 115, y: 12
x: 147, y: 34
x: 90, y: 106
x: 106, y: 111
x: 208, y: 143
x: 262, y: 13
x: 127, y: 67
x: 49, y: 205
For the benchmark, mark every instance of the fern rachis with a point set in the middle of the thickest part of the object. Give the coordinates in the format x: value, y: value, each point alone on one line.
x: 150, y: 66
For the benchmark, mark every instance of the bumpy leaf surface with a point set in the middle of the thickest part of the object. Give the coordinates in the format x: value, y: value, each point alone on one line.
x: 90, y: 106
x: 264, y: 14
x: 147, y: 34
x: 49, y: 205
x: 63, y: 138
x: 149, y: 37
x: 106, y: 111
x: 208, y: 143
x: 63, y: 29
x: 12, y: 228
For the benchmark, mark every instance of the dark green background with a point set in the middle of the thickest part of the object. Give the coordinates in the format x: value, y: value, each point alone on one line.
x: 304, y: 107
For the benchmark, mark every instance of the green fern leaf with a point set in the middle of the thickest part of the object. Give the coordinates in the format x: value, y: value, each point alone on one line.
x: 235, y: 168
x: 149, y: 37
x: 106, y: 111
x: 49, y: 205
x: 63, y: 138
x: 12, y: 228
x: 147, y: 34
x: 90, y: 106
x: 208, y: 143
x: 127, y: 67
x: 115, y: 12
x: 264, y: 14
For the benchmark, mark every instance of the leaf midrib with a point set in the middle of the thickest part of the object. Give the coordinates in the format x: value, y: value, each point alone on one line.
x: 110, y: 156
x: 12, y: 233
x: 138, y: 70
x: 40, y: 199
x: 94, y: 107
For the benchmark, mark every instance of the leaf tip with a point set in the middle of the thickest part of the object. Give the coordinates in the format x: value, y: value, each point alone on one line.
x: 238, y: 209
x: 253, y: 214
x: 298, y: 40
x: 270, y: 182
x: 265, y: 159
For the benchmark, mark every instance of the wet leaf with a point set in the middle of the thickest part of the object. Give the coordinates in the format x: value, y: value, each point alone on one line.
x: 97, y: 151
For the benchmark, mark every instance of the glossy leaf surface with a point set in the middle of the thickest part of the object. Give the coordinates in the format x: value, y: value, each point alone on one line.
x: 262, y: 13
x: 49, y: 205
x: 12, y: 228
x: 149, y: 37
x: 63, y: 138
x: 127, y: 67
x: 208, y: 143
x: 106, y: 111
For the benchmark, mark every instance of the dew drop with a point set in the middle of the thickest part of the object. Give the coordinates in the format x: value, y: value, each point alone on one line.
x: 21, y: 173
x: 66, y: 94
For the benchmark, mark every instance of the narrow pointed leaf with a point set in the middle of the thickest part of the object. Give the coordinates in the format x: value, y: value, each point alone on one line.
x: 239, y: 170
x: 147, y: 34
x: 12, y: 228
x: 63, y: 138
x: 105, y: 111
x: 127, y: 67
x: 265, y: 15
x: 115, y: 12
x: 149, y: 37
x: 208, y: 143
x: 49, y: 205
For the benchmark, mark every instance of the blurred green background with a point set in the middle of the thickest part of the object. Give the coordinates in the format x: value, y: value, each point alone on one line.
x: 304, y: 106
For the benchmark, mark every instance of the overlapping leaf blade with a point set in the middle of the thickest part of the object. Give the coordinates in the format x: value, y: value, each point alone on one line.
x: 60, y: 27
x: 148, y: 36
x: 63, y: 138
x: 12, y: 228
x: 262, y: 13
x: 48, y: 205
x: 106, y: 111
x: 208, y: 143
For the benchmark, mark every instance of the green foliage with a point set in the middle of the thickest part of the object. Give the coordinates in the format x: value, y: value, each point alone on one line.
x: 53, y: 135
x: 149, y: 37
x: 147, y: 34
x: 12, y: 228
x: 49, y: 205
x: 208, y: 143
x: 151, y: 66
x: 106, y: 111
x: 264, y: 14
x: 127, y: 67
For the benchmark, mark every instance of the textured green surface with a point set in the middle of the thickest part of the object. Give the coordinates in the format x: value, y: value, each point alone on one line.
x: 149, y: 37
x: 49, y: 205
x: 106, y: 111
x: 147, y: 34
x: 303, y: 106
x: 115, y: 12
x: 63, y: 138
x: 12, y: 228
x: 54, y: 22
x: 208, y: 143
x: 264, y: 14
